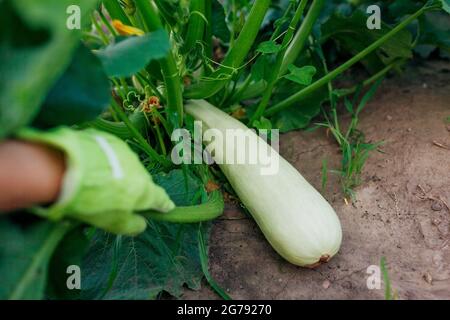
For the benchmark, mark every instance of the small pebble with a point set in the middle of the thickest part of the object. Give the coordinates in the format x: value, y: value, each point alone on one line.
x: 409, y: 129
x: 436, y: 206
x: 389, y: 118
x: 326, y: 284
x: 436, y: 222
x: 424, y: 85
x: 427, y: 277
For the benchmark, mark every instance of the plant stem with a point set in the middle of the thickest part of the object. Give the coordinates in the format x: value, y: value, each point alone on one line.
x: 331, y: 95
x: 149, y: 15
x: 159, y: 135
x: 333, y: 74
x: 208, y: 37
x: 235, y: 57
x: 174, y: 95
x: 165, y: 12
x: 297, y: 44
x: 116, y: 11
x: 345, y: 92
x: 138, y: 136
x: 99, y: 30
x: 204, y: 263
x: 168, y: 65
x: 277, y: 30
x: 191, y: 214
x: 196, y: 25
x: 146, y: 81
x: 278, y: 62
x: 241, y: 89
x: 107, y: 24
x: 233, y: 22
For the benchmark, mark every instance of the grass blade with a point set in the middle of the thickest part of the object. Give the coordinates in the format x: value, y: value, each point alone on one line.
x: 204, y: 263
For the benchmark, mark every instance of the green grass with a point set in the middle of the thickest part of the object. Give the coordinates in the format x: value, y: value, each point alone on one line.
x: 204, y: 263
x: 354, y: 148
x: 324, y: 173
x: 388, y: 295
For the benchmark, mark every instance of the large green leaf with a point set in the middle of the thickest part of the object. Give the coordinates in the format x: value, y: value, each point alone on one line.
x: 300, y: 115
x: 303, y: 75
x: 35, y: 49
x: 219, y: 25
x: 445, y: 5
x: 268, y: 47
x: 164, y: 258
x: 69, y: 252
x: 25, y: 252
x: 126, y: 57
x: 435, y: 33
x: 400, y: 8
x: 80, y: 95
x: 352, y: 35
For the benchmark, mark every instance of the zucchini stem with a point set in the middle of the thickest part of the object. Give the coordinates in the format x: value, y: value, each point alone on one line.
x: 242, y: 45
x: 336, y: 72
x: 138, y: 136
x: 168, y: 65
x: 297, y: 44
x: 278, y: 62
x: 196, y: 25
x: 115, y: 11
x: 191, y: 214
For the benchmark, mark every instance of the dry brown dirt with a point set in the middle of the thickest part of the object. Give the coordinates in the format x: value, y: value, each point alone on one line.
x: 400, y: 211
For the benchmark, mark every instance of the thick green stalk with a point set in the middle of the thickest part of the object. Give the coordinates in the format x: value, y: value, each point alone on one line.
x: 296, y: 46
x: 235, y: 57
x: 174, y: 95
x: 377, y: 76
x: 165, y: 12
x: 138, y: 136
x: 277, y: 32
x: 302, y: 35
x: 151, y: 18
x: 333, y: 74
x: 251, y: 91
x: 196, y: 25
x: 240, y: 89
x: 99, y: 30
x: 208, y: 37
x: 119, y: 129
x: 192, y: 214
x: 116, y: 11
x: 278, y: 62
x: 168, y: 65
x: 107, y: 24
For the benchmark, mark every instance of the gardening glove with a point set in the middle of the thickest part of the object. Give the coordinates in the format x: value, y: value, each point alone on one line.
x: 104, y: 183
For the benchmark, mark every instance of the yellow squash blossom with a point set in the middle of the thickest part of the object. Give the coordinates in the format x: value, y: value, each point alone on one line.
x: 126, y: 30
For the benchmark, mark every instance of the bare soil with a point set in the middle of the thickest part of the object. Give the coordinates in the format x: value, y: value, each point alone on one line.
x: 401, y: 209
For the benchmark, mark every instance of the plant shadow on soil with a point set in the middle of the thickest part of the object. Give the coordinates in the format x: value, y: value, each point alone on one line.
x: 398, y: 212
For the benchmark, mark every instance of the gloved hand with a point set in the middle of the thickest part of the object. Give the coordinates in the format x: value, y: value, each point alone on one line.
x: 104, y: 182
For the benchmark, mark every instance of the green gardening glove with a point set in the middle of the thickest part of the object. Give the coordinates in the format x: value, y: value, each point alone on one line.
x: 104, y: 183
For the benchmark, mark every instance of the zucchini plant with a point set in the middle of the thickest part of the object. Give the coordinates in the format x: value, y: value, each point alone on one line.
x: 140, y: 69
